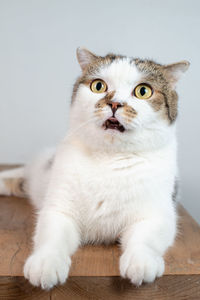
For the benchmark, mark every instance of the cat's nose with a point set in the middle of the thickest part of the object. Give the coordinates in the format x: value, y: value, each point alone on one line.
x: 114, y: 106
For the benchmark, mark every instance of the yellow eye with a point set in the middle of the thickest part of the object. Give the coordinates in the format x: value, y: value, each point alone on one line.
x: 143, y: 91
x: 98, y: 86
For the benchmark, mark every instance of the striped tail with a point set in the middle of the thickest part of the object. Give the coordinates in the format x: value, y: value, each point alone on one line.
x: 12, y: 182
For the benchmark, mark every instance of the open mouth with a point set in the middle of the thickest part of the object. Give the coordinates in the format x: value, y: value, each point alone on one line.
x: 113, y: 123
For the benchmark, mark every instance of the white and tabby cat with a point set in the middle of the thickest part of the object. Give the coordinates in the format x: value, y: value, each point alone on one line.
x: 113, y: 176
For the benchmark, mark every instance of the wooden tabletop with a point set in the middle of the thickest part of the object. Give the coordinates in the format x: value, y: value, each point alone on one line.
x: 93, y: 266
x: 17, y: 220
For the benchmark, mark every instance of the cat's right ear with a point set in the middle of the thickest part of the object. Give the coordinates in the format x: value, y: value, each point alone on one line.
x: 85, y: 57
x: 174, y: 71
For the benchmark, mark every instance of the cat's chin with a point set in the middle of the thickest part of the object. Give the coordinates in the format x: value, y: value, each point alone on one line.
x: 114, y: 124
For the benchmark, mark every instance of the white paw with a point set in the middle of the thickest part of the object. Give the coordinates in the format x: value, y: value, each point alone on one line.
x: 46, y: 269
x: 141, y: 264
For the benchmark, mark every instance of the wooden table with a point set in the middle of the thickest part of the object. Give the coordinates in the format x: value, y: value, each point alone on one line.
x: 95, y: 273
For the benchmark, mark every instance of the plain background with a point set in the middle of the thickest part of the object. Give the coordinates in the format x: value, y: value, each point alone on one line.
x: 38, y: 40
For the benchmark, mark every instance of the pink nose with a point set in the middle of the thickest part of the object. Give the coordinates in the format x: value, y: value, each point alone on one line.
x: 114, y: 106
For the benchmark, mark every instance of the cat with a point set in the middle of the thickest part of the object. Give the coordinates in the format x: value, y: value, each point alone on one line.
x: 113, y: 176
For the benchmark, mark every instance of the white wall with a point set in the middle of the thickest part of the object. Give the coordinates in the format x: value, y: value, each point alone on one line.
x: 38, y: 39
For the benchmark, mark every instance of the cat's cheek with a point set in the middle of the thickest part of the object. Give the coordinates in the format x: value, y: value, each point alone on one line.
x: 86, y: 97
x: 84, y: 105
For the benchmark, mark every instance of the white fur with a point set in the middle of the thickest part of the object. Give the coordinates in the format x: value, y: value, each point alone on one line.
x: 106, y: 185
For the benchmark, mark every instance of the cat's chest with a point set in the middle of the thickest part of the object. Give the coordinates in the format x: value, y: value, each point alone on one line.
x: 116, y: 192
x: 108, y: 196
x: 112, y: 184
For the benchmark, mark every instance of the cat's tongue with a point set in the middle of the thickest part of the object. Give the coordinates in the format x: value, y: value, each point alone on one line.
x: 113, y: 123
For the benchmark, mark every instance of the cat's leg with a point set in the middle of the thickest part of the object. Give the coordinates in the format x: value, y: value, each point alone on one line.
x: 56, y: 239
x: 57, y: 233
x: 144, y: 244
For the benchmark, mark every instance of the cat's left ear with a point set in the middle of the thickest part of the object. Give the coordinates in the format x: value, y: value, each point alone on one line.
x: 85, y: 57
x: 174, y: 71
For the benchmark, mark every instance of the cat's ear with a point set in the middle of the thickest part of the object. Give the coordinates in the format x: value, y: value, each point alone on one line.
x: 174, y: 71
x: 85, y: 57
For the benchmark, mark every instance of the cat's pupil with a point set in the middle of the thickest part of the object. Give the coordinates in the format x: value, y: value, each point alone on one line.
x: 99, y: 86
x: 143, y: 91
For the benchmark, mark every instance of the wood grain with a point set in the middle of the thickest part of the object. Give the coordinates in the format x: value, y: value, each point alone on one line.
x: 94, y: 273
x: 165, y: 288
x: 179, y: 287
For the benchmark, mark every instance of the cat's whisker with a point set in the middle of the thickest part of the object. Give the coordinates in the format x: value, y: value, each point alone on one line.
x: 70, y: 133
x: 127, y: 119
x: 98, y: 111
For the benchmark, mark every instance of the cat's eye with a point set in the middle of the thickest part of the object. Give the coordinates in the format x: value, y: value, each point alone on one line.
x: 143, y: 91
x: 98, y: 86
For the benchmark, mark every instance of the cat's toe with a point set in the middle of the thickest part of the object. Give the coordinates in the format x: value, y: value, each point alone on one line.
x: 46, y: 270
x: 141, y: 264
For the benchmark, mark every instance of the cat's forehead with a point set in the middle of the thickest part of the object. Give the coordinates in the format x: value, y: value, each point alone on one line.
x: 120, y: 70
x: 124, y: 69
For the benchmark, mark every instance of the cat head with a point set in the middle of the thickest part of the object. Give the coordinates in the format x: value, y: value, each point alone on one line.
x: 121, y: 103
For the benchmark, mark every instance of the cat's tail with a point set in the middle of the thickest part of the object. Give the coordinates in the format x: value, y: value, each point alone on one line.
x: 13, y: 183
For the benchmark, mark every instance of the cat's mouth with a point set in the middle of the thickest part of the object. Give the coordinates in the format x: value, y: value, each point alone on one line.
x: 113, y: 123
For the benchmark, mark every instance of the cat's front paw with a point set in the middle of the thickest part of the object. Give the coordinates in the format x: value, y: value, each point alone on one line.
x: 141, y: 264
x: 46, y: 269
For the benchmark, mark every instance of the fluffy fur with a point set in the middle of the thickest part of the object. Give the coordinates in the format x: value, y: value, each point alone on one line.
x: 102, y: 185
